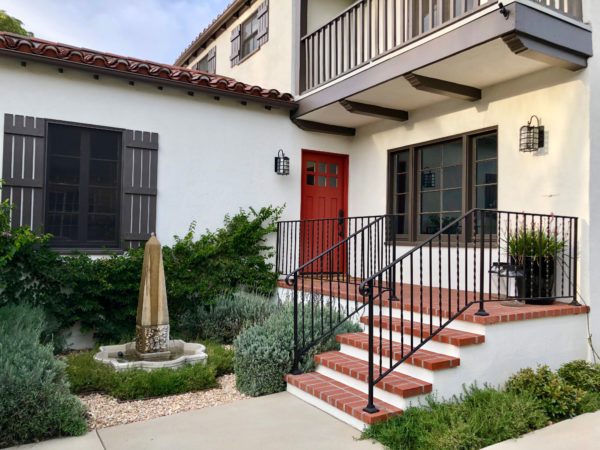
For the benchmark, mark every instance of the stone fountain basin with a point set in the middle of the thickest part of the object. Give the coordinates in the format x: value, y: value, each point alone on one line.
x: 180, y: 353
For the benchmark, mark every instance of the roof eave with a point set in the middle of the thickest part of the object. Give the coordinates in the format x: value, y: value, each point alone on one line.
x: 213, y: 28
x: 274, y: 103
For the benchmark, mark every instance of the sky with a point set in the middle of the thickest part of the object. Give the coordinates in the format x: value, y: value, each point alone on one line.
x: 156, y: 30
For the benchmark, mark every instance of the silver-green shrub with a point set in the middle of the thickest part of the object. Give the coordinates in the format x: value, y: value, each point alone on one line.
x: 35, y: 402
x: 264, y: 353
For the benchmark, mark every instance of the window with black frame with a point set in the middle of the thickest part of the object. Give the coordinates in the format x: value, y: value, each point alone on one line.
x: 450, y: 178
x: 82, y: 186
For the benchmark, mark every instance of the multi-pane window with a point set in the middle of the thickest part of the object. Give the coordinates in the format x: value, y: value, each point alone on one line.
x: 249, y: 36
x: 203, y: 64
x: 82, y: 196
x: 450, y: 178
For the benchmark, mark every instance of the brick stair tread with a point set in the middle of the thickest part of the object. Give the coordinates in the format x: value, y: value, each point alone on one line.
x: 396, y: 383
x: 421, y: 358
x: 342, y: 397
x: 446, y: 336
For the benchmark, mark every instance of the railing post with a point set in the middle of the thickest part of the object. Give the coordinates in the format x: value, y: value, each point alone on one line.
x: 482, y: 311
x: 393, y: 244
x: 370, y: 408
x: 575, y: 302
x: 296, y: 364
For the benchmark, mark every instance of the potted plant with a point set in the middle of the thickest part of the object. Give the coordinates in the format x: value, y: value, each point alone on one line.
x: 533, y: 252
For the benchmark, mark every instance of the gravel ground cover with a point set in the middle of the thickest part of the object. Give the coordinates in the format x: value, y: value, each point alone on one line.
x: 104, y: 411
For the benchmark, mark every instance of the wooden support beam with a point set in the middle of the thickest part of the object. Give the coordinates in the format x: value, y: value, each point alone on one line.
x: 374, y: 111
x: 442, y: 87
x: 318, y: 127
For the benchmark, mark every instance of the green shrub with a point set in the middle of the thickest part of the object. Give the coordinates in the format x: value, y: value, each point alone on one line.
x: 581, y: 374
x: 35, y: 402
x: 102, y: 293
x: 225, y: 319
x: 264, y: 353
x: 559, y: 399
x: 137, y: 384
x: 220, y: 358
x: 87, y: 375
x: 479, y: 418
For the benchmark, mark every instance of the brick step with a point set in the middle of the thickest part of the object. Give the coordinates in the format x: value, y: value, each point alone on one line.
x: 421, y: 358
x: 446, y: 336
x: 396, y: 383
x: 342, y: 397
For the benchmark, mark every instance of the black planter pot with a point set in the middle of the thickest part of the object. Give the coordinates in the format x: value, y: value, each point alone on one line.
x: 535, y: 285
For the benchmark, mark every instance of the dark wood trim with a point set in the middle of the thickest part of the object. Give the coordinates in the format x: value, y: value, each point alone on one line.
x: 414, y: 237
x: 557, y: 34
x: 538, y: 50
x: 317, y: 127
x: 374, y: 111
x: 442, y: 87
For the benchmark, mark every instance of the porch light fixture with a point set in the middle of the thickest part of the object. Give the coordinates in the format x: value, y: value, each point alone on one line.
x: 532, y: 137
x: 282, y: 164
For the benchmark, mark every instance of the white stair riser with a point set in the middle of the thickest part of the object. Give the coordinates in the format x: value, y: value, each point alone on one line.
x: 326, y: 407
x: 407, y: 369
x: 461, y: 325
x: 385, y: 396
x: 432, y: 346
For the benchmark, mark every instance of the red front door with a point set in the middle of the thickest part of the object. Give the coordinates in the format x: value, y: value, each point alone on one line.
x: 324, y: 196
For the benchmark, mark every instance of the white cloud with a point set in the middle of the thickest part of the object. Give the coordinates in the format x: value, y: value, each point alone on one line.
x: 157, y: 30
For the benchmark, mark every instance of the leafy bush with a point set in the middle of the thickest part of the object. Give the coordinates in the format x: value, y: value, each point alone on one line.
x: 137, y: 383
x: 479, y: 418
x: 224, y: 320
x: 581, y: 374
x: 264, y: 353
x: 102, y: 293
x: 559, y: 399
x: 35, y: 402
x: 88, y: 375
x: 220, y: 358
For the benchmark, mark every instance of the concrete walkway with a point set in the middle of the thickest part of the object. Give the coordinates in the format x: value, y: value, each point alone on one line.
x: 275, y: 422
x: 580, y: 433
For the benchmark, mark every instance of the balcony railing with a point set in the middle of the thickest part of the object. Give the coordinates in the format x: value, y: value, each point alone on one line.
x: 371, y: 28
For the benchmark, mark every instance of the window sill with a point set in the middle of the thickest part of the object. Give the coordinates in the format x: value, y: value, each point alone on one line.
x: 88, y: 251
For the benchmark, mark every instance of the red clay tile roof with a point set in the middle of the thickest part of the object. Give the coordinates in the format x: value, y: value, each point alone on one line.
x: 122, y: 65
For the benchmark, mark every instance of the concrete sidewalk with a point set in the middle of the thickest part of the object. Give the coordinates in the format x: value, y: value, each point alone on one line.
x: 580, y: 433
x: 275, y: 422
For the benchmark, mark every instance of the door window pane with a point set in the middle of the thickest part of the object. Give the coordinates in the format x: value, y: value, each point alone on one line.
x: 322, y: 167
x: 322, y: 181
x: 333, y: 169
x: 310, y: 180
x: 311, y: 166
x: 333, y: 182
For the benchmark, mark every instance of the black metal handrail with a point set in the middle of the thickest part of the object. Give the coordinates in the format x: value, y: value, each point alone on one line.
x: 330, y: 257
x: 533, y: 258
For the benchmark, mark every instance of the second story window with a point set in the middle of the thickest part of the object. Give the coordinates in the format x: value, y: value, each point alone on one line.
x: 208, y: 63
x: 249, y: 36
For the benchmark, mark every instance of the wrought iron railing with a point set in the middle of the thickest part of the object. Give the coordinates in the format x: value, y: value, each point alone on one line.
x: 484, y: 256
x: 345, y: 266
x: 324, y: 261
x: 370, y: 28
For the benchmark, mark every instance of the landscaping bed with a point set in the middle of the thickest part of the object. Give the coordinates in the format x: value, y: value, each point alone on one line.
x: 106, y: 411
x: 483, y: 416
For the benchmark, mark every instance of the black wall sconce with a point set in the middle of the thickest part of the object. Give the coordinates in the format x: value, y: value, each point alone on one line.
x: 282, y: 164
x: 532, y: 137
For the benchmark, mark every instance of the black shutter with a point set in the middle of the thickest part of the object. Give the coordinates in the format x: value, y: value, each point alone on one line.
x: 138, y: 199
x: 23, y: 169
x: 262, y: 16
x: 236, y: 41
x: 212, y: 60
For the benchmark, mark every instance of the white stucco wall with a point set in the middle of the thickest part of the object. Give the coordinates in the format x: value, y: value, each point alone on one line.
x: 320, y: 12
x: 270, y: 67
x: 554, y: 180
x: 214, y: 156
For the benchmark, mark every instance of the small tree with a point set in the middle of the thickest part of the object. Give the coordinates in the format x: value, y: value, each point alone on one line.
x: 12, y: 24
